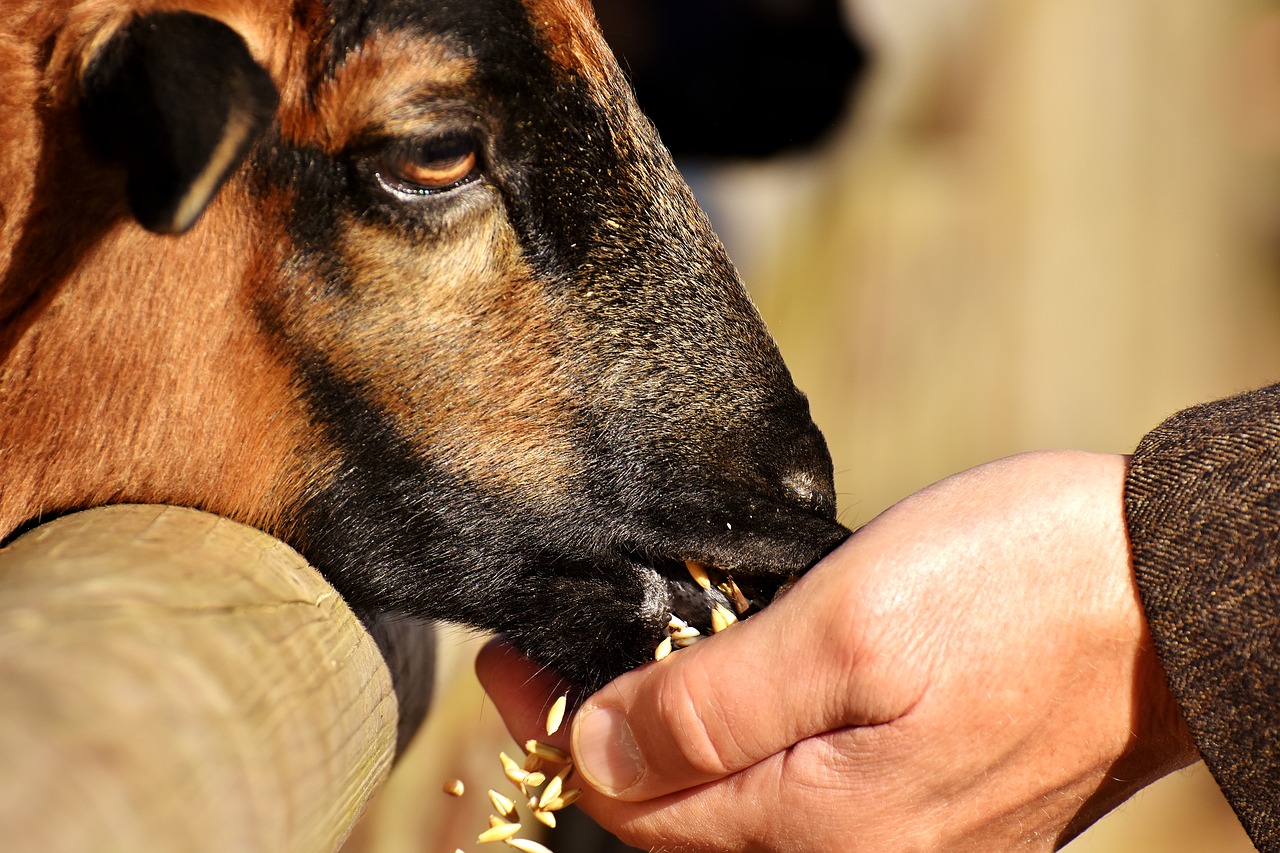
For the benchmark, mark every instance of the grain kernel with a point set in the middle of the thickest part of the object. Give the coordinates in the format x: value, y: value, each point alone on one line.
x: 524, y: 845
x: 556, y: 715
x: 721, y: 618
x: 699, y: 574
x: 553, y: 789
x: 504, y: 806
x: 498, y: 833
x: 740, y: 602
x: 663, y: 649
x: 563, y: 801
x: 514, y: 772
x: 509, y: 765
x: 455, y: 788
x: 551, y: 792
x: 545, y: 750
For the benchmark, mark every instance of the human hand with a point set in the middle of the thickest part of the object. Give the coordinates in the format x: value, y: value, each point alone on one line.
x: 970, y: 671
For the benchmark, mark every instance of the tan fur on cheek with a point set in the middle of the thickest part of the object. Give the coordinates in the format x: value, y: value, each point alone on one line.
x: 457, y: 345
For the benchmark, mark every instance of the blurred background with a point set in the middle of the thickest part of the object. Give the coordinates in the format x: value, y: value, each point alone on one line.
x: 976, y: 227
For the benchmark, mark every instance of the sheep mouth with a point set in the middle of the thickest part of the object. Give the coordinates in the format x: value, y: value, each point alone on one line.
x: 702, y: 600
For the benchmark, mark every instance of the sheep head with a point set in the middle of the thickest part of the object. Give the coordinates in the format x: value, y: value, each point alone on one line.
x: 430, y: 302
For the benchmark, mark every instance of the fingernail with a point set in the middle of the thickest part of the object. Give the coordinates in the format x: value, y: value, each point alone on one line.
x: 605, y: 751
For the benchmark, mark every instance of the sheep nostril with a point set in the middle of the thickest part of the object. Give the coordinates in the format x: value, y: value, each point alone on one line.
x: 804, y: 489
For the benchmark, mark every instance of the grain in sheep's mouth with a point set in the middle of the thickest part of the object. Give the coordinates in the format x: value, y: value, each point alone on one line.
x: 703, y: 600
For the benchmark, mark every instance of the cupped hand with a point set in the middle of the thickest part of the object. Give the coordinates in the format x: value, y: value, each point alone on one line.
x: 970, y: 671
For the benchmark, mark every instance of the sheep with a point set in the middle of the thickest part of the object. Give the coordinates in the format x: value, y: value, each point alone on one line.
x: 409, y: 284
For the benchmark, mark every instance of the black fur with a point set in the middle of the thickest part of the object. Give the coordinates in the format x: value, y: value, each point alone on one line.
x: 159, y: 98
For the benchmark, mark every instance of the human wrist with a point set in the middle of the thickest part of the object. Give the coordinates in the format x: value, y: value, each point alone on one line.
x: 1156, y: 740
x: 1158, y: 744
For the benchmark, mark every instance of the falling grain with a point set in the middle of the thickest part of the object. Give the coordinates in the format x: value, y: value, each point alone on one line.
x: 551, y: 792
x: 504, y: 806
x: 546, y: 751
x: 514, y: 772
x: 556, y: 715
x: 563, y: 801
x: 501, y: 832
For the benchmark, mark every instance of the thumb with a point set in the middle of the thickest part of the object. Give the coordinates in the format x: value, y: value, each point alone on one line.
x: 726, y: 703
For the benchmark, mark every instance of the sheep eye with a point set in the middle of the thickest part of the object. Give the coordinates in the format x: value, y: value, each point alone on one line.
x: 435, y: 166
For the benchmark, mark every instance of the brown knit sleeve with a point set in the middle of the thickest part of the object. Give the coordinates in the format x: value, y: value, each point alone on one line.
x: 1202, y: 502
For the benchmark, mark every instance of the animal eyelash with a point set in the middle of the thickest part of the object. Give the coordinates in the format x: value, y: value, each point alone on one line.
x: 433, y: 166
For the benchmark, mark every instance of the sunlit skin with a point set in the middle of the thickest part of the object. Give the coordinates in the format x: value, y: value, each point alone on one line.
x: 970, y: 671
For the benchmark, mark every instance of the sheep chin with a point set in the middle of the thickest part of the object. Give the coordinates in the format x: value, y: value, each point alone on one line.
x: 664, y: 596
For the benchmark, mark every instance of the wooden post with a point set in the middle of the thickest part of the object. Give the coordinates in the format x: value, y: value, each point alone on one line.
x: 172, y: 681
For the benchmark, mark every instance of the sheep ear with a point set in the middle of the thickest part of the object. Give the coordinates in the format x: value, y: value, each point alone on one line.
x: 177, y: 99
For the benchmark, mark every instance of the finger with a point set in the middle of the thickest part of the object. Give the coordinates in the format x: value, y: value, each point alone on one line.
x: 733, y: 700
x: 524, y: 693
x: 520, y: 689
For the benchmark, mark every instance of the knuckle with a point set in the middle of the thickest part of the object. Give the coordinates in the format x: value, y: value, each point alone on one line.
x: 701, y: 735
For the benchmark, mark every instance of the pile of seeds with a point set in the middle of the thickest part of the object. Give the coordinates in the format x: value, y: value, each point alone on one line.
x: 542, y: 792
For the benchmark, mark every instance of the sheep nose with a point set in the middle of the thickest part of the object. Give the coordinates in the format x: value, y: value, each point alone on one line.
x: 811, y: 492
x: 795, y: 463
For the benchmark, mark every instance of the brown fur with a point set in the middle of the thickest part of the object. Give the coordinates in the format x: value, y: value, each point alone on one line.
x: 187, y: 354
x: 207, y: 370
x: 377, y: 90
x: 238, y: 454
x: 490, y: 396
x: 483, y: 316
x: 569, y: 29
x: 76, y: 445
x: 519, y: 403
